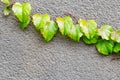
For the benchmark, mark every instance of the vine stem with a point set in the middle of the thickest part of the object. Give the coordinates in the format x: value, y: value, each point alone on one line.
x: 116, y: 58
x: 72, y: 15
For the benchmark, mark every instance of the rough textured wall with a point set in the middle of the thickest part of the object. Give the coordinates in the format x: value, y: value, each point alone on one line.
x: 25, y: 56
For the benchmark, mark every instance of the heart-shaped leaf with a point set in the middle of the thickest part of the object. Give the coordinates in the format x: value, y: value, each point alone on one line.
x: 39, y: 20
x: 75, y: 33
x: 22, y: 12
x: 7, y: 2
x: 105, y: 47
x: 64, y: 24
x: 116, y: 48
x: 49, y: 30
x: 88, y: 27
x: 105, y: 31
x: 115, y: 36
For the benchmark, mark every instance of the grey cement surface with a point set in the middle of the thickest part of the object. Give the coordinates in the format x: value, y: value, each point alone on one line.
x: 25, y: 56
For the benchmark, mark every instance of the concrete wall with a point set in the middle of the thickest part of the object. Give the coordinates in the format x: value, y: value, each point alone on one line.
x: 25, y: 56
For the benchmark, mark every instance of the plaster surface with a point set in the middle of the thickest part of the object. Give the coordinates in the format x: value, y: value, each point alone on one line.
x: 24, y: 55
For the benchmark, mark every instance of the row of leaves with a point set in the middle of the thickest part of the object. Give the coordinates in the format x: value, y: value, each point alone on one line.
x: 106, y: 39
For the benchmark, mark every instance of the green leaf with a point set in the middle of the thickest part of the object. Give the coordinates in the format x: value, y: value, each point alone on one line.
x: 105, y: 47
x: 17, y: 9
x: 6, y: 2
x: 7, y: 10
x: 49, y: 30
x: 91, y: 40
x: 88, y: 27
x: 105, y: 31
x: 116, y: 48
x: 75, y: 33
x: 115, y: 36
x: 39, y: 20
x: 64, y: 24
x: 22, y: 12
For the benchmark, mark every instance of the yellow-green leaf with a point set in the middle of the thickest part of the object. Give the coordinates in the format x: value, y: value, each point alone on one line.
x: 39, y: 20
x: 22, y: 12
x: 64, y: 24
x: 88, y: 27
x: 49, y: 30
x: 105, y: 32
x: 115, y: 36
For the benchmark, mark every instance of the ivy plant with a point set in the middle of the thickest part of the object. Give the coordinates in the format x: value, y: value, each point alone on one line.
x: 105, y: 38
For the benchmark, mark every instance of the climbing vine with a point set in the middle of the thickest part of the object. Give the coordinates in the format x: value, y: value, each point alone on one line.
x: 105, y: 38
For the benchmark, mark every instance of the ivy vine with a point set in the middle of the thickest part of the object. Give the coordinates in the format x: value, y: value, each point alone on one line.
x: 105, y: 38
